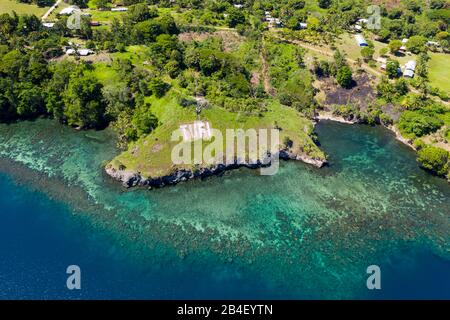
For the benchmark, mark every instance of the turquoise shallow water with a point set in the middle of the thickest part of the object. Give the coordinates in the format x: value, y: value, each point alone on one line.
x: 303, y: 233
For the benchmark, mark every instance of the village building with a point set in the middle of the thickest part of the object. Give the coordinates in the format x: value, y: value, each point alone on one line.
x: 361, y: 41
x: 403, y: 47
x: 85, y: 52
x: 358, y: 26
x: 383, y: 62
x: 80, y: 52
x: 273, y: 22
x: 409, y: 69
x: 69, y: 11
x: 278, y: 23
x: 362, y: 21
x: 433, y: 44
x: 119, y: 9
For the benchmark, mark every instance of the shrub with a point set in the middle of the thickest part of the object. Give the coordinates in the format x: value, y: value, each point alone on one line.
x: 416, y: 44
x: 345, y: 111
x: 344, y: 77
x: 392, y: 68
x: 158, y: 87
x: 394, y: 46
x: 434, y: 159
x: 386, y: 119
x: 367, y: 53
x: 413, y: 123
x: 287, y: 142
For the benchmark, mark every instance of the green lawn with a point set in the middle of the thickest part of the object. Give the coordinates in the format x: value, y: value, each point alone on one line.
x: 151, y: 155
x: 8, y: 6
x: 135, y: 53
x: 106, y: 74
x: 347, y: 44
x: 439, y: 71
x: 105, y: 16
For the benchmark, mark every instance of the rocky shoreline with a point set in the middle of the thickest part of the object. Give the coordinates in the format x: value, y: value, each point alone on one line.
x: 400, y: 138
x: 330, y: 116
x: 130, y: 178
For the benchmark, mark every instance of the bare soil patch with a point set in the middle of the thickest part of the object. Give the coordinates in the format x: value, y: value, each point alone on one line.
x: 361, y: 94
x: 391, y: 110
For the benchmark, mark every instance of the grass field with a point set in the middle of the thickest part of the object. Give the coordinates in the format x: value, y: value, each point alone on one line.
x: 106, y: 74
x: 105, y: 16
x: 134, y: 53
x: 8, y: 6
x: 439, y: 71
x: 151, y: 155
x: 348, y: 45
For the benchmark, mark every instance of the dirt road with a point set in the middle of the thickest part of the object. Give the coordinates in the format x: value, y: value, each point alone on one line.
x: 53, y: 7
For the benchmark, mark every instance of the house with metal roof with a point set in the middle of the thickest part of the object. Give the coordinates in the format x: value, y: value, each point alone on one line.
x: 360, y: 40
x: 433, y: 44
x: 362, y: 21
x: 69, y: 10
x: 410, y: 67
x: 119, y: 9
x: 411, y: 64
x: 408, y: 74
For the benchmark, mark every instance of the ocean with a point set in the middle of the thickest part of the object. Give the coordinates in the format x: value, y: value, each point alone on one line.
x: 304, y: 233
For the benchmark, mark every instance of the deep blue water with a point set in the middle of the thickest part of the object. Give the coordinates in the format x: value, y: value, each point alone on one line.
x: 41, y: 236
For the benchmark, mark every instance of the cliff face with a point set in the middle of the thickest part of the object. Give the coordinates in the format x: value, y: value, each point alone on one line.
x: 130, y: 178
